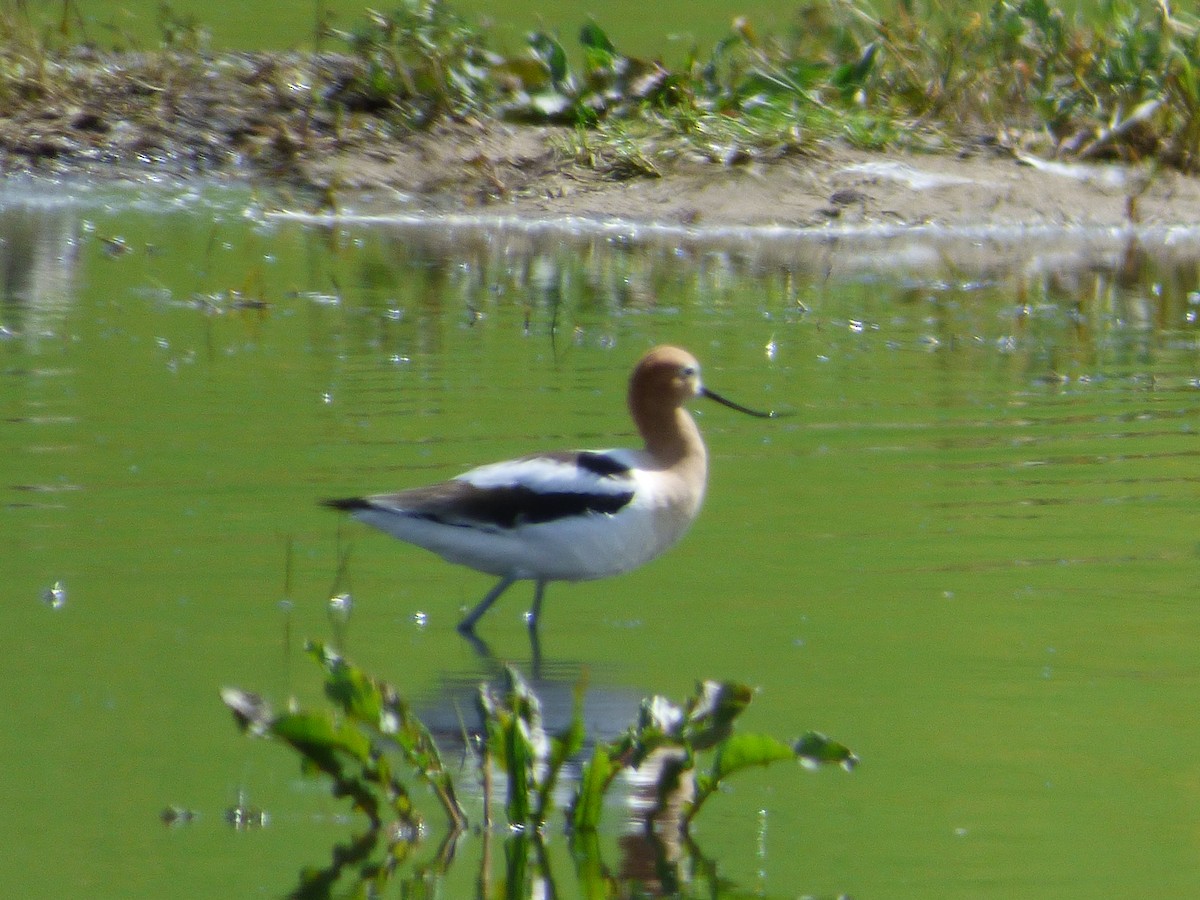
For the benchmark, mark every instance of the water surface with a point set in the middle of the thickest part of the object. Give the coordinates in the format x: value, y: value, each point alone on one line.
x: 969, y: 553
x: 666, y: 30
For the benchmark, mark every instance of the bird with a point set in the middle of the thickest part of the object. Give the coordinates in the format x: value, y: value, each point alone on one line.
x: 567, y: 515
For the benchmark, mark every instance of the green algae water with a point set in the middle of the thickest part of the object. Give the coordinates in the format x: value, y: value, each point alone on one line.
x: 968, y: 551
x: 670, y: 30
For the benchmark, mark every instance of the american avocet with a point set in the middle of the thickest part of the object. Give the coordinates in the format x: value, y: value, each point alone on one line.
x: 567, y: 516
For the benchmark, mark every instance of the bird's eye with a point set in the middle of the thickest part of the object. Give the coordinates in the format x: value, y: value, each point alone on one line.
x: 689, y: 372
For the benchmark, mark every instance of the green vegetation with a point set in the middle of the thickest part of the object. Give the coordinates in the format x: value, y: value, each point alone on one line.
x: 419, y: 63
x: 1125, y: 84
x: 1121, y: 82
x: 372, y: 750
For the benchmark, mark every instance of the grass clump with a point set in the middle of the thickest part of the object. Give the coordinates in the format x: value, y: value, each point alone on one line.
x: 419, y: 62
x: 1122, y: 83
x: 1119, y: 84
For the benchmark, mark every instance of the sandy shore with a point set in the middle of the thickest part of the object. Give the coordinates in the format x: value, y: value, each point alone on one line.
x: 508, y: 170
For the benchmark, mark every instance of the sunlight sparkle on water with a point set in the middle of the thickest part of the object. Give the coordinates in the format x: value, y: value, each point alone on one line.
x: 55, y: 596
x: 340, y: 606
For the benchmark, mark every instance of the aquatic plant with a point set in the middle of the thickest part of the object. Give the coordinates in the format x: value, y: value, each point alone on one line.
x: 371, y: 747
x: 354, y: 747
x: 673, y: 737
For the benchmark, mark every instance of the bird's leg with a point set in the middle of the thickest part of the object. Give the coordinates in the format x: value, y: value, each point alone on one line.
x: 535, y: 654
x: 482, y: 650
x: 536, y: 612
x: 467, y: 625
x: 535, y: 643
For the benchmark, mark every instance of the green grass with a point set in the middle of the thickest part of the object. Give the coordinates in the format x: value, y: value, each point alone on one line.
x: 1119, y: 82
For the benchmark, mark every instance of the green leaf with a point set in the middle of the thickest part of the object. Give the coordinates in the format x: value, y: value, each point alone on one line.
x: 551, y: 53
x: 597, y: 775
x: 741, y: 751
x: 592, y: 37
x: 593, y: 874
x: 358, y: 694
x: 519, y: 759
x: 735, y: 753
x: 529, y: 74
x: 321, y: 741
x: 815, y: 749
x: 518, y: 743
x: 598, y: 50
x: 563, y: 746
x: 711, y: 712
x: 849, y: 78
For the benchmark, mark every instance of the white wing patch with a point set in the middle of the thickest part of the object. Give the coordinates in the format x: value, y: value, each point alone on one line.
x: 555, y: 475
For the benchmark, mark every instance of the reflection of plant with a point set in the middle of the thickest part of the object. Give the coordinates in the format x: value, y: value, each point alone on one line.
x: 371, y: 741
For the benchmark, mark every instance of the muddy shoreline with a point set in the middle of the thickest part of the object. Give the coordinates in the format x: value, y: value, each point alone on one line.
x: 503, y: 170
x: 248, y: 117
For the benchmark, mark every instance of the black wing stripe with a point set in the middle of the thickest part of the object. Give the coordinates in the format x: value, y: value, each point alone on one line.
x: 601, y: 464
x: 510, y: 507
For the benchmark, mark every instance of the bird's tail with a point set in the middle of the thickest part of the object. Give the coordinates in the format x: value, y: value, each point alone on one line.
x: 348, y: 504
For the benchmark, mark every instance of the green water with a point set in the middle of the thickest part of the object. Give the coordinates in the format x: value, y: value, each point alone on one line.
x: 970, y: 553
x: 668, y: 30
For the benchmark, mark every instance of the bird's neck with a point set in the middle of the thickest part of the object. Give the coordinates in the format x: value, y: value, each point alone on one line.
x: 672, y: 438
